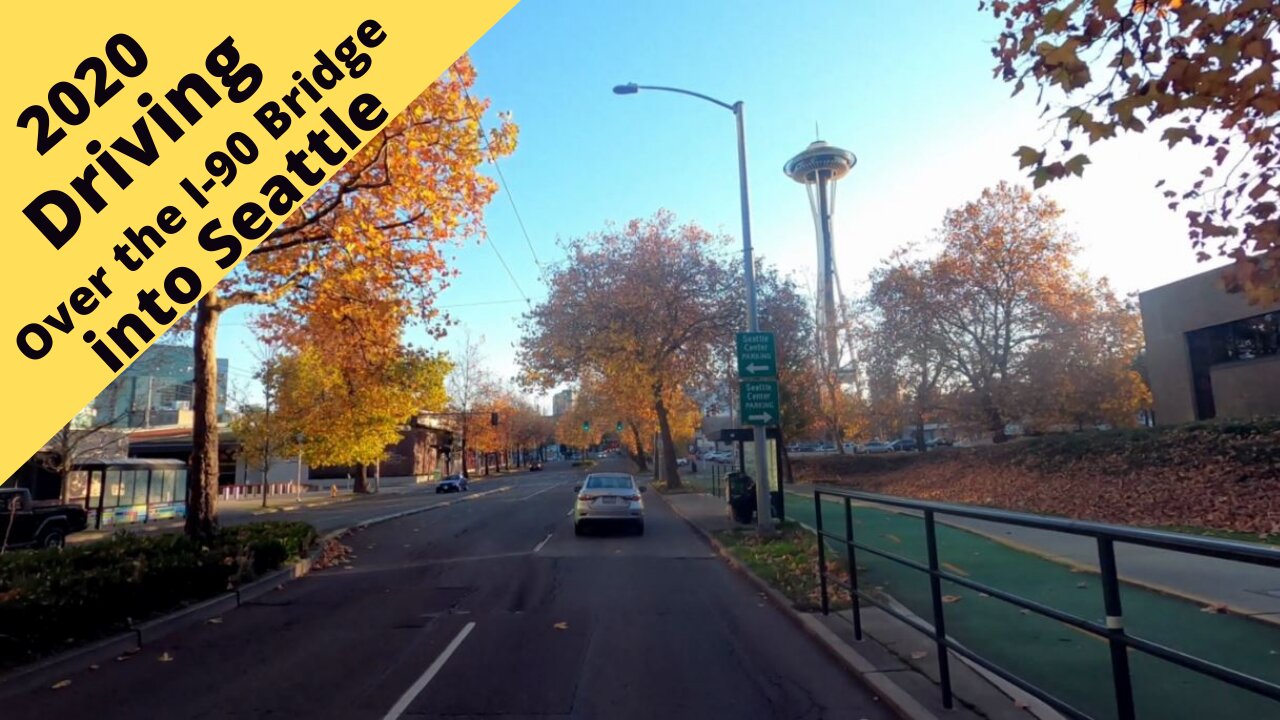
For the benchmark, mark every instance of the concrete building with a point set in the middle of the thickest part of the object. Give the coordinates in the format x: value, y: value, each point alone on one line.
x: 1210, y: 354
x: 562, y: 402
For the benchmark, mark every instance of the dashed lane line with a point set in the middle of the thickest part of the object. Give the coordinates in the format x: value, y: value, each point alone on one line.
x: 421, y: 683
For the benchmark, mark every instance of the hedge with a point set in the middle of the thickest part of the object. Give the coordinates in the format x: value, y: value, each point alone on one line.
x: 51, y: 600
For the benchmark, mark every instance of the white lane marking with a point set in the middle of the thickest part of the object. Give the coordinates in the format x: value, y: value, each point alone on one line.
x: 544, y: 542
x: 526, y: 497
x: 412, y: 693
x: 570, y: 512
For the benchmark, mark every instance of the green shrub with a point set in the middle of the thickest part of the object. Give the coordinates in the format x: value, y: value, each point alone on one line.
x: 51, y: 600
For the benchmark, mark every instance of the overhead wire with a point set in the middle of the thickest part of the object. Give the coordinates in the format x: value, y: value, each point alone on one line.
x: 502, y: 180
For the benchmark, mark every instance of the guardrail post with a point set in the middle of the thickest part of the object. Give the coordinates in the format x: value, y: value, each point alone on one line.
x: 856, y: 608
x: 1120, y: 676
x: 939, y: 620
x: 822, y: 551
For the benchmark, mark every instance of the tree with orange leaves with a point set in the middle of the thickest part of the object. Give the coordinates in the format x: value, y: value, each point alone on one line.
x: 1202, y: 73
x: 1000, y: 325
x: 379, y: 221
x: 649, y: 302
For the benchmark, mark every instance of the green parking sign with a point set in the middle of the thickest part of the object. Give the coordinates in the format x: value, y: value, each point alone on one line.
x: 756, y: 355
x: 758, y: 401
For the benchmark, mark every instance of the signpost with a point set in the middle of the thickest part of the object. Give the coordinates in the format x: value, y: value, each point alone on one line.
x: 756, y: 355
x: 759, y: 408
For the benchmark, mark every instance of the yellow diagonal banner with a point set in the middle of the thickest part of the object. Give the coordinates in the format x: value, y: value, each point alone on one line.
x: 149, y: 146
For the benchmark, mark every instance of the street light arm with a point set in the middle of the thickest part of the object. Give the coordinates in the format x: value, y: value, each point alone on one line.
x: 731, y: 108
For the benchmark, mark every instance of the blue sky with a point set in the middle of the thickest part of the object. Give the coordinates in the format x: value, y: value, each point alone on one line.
x: 905, y: 86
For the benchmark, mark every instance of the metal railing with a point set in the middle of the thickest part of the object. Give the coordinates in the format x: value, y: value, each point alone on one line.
x: 1113, y: 631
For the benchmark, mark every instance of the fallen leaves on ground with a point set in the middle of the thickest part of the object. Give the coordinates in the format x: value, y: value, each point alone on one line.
x: 950, y: 599
x: 561, y: 625
x: 1223, y: 476
x: 332, y: 554
x: 165, y: 657
x: 60, y: 684
x: 1215, y: 608
x: 919, y: 655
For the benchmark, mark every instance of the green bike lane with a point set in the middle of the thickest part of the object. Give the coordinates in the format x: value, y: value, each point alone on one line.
x: 1069, y: 663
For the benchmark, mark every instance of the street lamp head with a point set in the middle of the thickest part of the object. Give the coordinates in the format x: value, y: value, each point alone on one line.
x: 628, y: 89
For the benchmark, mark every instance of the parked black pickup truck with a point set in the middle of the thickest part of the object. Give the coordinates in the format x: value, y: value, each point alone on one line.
x: 27, y: 524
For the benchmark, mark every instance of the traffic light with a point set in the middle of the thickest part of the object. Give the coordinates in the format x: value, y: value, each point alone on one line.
x: 586, y: 426
x: 618, y: 427
x: 493, y: 418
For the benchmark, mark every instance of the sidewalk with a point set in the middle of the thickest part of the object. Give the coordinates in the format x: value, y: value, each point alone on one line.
x: 880, y: 658
x: 1245, y: 589
x: 244, y: 510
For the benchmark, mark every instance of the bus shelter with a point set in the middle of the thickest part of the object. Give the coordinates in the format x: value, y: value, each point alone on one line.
x: 128, y: 490
x: 743, y: 441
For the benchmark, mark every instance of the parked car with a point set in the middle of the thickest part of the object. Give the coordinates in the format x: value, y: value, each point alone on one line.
x: 452, y: 484
x: 904, y: 444
x: 682, y: 461
x: 937, y: 443
x: 27, y: 524
x: 608, y: 499
x: 535, y: 466
x: 877, y: 447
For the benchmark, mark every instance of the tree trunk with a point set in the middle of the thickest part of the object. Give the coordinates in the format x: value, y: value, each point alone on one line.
x: 202, y: 479
x: 362, y: 480
x: 786, y: 471
x: 668, y: 471
x: 638, y: 456
x: 465, y: 474
x: 995, y: 421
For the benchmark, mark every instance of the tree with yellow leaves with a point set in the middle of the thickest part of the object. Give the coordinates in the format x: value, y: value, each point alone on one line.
x: 379, y: 221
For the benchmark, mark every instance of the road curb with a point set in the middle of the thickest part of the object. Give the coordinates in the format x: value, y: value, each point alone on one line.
x: 898, y: 699
x: 44, y: 673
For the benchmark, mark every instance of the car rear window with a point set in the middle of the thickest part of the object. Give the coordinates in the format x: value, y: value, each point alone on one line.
x: 609, y: 482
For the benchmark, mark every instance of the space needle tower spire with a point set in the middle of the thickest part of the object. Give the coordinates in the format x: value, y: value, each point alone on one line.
x: 818, y: 168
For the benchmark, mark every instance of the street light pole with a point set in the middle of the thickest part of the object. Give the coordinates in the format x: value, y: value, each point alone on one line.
x: 764, y: 521
x: 298, y: 439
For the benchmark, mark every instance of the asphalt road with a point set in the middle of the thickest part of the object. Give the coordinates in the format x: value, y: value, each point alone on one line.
x: 485, y: 608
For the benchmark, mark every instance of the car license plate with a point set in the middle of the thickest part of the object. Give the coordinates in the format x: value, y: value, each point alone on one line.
x: 608, y: 500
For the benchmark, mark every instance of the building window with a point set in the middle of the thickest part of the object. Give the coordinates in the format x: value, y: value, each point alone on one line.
x: 1254, y: 337
x: 77, y: 486
x: 1238, y: 341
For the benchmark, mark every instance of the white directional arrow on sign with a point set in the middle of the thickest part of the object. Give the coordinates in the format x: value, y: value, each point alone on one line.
x: 762, y: 418
x: 755, y: 369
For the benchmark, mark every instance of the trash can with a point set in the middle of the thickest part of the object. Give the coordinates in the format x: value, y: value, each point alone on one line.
x: 742, y: 496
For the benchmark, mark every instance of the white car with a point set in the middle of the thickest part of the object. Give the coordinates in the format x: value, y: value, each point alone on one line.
x: 877, y: 447
x: 611, y: 499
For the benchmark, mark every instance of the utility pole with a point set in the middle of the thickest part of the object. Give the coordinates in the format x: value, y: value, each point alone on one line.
x: 298, y: 439
x: 146, y: 412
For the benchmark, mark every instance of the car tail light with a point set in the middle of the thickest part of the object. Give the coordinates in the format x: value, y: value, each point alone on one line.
x: 632, y: 498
